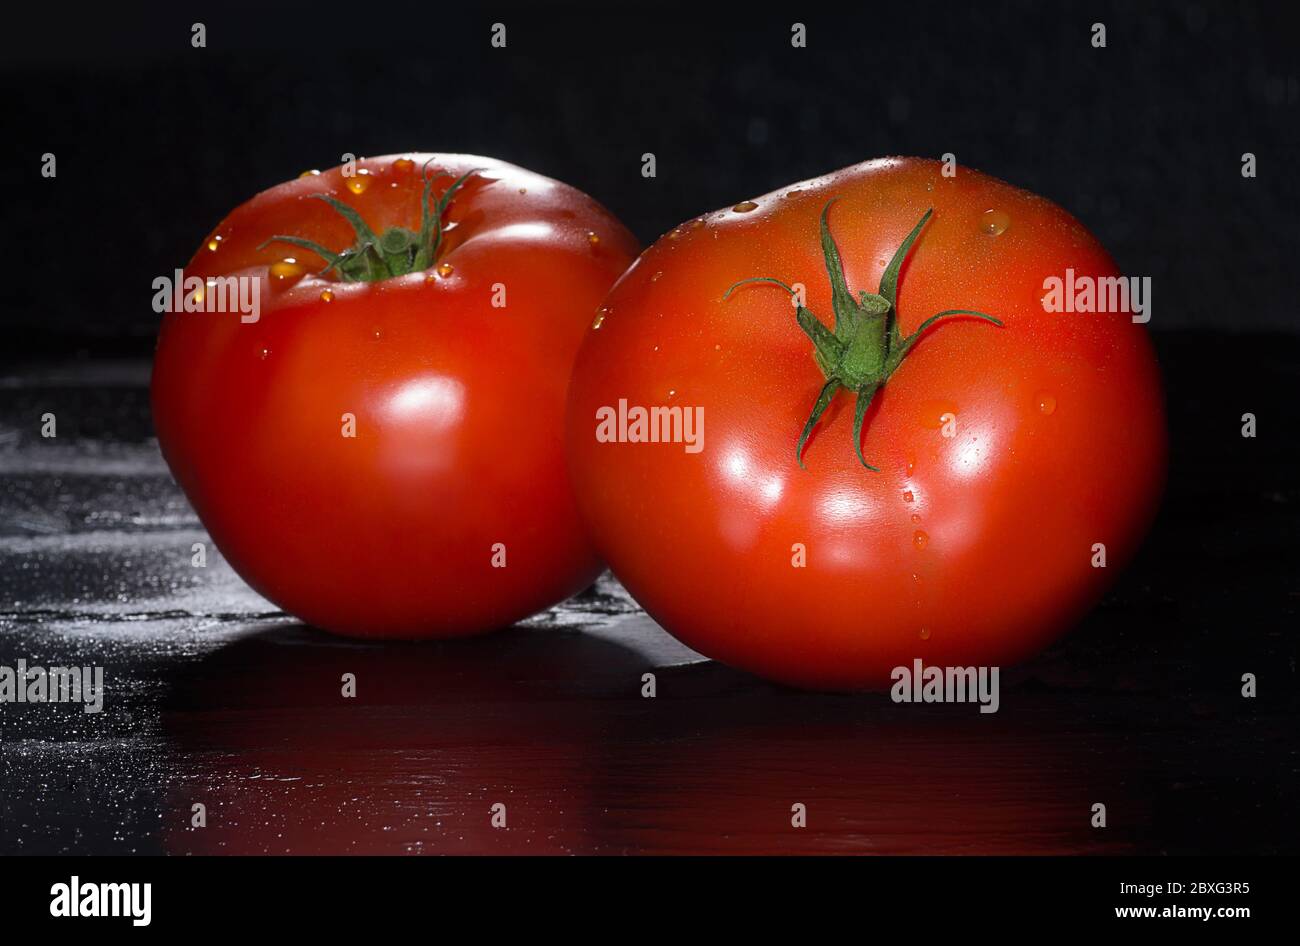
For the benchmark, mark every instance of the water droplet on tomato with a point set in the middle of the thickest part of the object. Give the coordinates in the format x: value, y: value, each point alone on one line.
x: 920, y: 539
x: 312, y: 173
x: 214, y: 244
x: 994, y: 222
x: 916, y: 517
x: 360, y: 183
x: 263, y: 353
x: 925, y: 633
x: 404, y: 165
x: 445, y: 269
x: 599, y: 320
x: 907, y: 496
x: 285, y: 269
x: 745, y: 206
x: 327, y: 296
x: 1046, y: 403
x: 657, y: 276
x: 592, y: 238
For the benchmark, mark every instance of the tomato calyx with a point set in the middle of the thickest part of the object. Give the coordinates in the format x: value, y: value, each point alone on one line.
x: 395, y: 252
x: 866, y: 345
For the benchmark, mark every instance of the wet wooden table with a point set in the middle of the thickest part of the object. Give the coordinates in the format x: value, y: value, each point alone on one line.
x: 214, y: 698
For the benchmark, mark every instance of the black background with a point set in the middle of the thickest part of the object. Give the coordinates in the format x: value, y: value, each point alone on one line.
x: 157, y: 141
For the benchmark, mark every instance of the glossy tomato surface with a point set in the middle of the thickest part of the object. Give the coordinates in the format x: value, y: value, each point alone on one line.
x: 1005, y: 455
x: 448, y: 510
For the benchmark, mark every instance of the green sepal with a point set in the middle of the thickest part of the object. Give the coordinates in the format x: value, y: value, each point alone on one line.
x: 823, y: 401
x: 897, y: 354
x: 889, y: 279
x: 332, y: 258
x: 430, y: 238
x: 865, y: 395
x: 845, y: 309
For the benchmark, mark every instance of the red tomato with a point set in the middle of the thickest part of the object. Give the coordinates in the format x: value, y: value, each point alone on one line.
x: 385, y: 458
x: 1003, y: 453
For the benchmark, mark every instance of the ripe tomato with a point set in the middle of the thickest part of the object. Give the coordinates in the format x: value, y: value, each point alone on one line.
x: 1002, y: 453
x: 380, y: 452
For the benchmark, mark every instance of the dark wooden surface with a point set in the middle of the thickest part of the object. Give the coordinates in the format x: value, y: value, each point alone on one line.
x: 214, y: 697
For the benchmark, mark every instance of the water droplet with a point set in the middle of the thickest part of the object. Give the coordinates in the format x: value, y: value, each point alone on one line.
x: 672, y: 392
x: 657, y: 276
x: 312, y: 173
x: 1046, y: 403
x: 717, y: 348
x: 263, y: 353
x: 745, y: 206
x: 403, y: 164
x: 925, y: 633
x: 327, y: 296
x: 929, y: 185
x: 920, y: 539
x: 285, y: 269
x: 697, y: 223
x: 360, y: 183
x: 674, y: 233
x: 793, y: 193
x: 599, y: 320
x: 214, y: 243
x: 376, y: 334
x: 592, y: 238
x: 523, y: 190
x: 445, y: 269
x: 994, y: 222
x: 916, y: 517
x: 907, y: 496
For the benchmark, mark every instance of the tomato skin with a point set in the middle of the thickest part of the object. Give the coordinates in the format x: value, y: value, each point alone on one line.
x: 974, y: 549
x: 458, y: 405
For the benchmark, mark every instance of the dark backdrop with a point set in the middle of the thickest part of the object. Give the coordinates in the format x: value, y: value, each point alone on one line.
x: 157, y: 141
